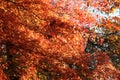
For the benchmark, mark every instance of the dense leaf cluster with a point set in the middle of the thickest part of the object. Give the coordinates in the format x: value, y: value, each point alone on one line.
x: 53, y: 40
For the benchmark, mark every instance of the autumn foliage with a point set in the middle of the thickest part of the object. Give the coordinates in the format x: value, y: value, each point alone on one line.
x: 59, y: 40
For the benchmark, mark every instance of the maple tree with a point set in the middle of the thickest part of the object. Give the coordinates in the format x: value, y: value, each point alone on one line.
x: 57, y: 40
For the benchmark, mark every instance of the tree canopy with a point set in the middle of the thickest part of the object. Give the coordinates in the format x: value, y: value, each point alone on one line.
x: 59, y: 40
